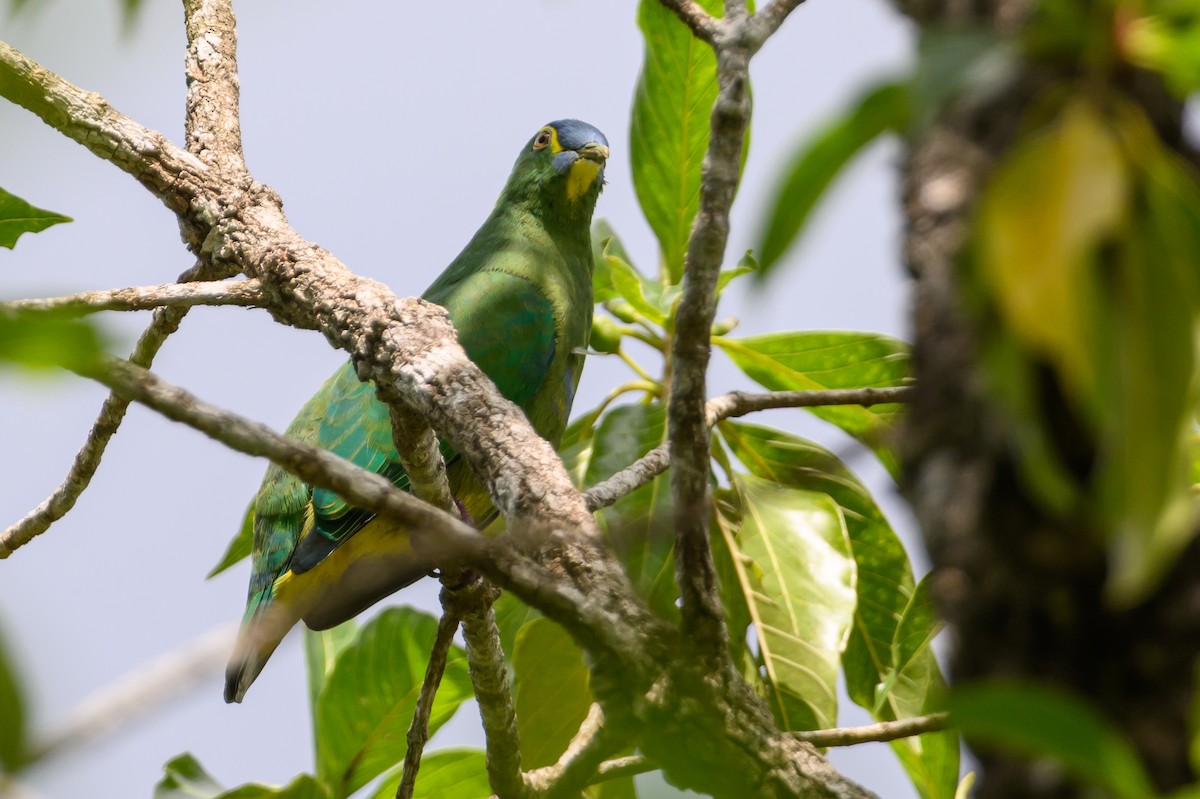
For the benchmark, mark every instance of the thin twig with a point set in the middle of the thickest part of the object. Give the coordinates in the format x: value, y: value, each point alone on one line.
x: 144, y: 298
x: 760, y: 26
x: 726, y: 406
x: 418, y: 730
x: 620, y: 767
x: 420, y: 456
x: 164, y: 322
x: 212, y: 123
x: 489, y: 676
x: 883, y: 731
x: 577, y: 766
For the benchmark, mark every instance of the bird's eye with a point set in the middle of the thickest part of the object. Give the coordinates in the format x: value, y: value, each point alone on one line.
x: 542, y: 139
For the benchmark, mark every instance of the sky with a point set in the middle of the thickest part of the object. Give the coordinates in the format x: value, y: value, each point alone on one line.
x: 388, y: 129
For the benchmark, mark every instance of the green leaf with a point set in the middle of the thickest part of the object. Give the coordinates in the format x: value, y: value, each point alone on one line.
x: 1167, y: 41
x: 240, y: 547
x: 46, y: 340
x: 821, y: 360
x: 457, y: 773
x: 321, y: 651
x: 185, y: 778
x: 643, y: 294
x: 669, y: 129
x: 605, y: 244
x: 551, y: 691
x: 18, y: 216
x: 818, y: 162
x: 367, y: 703
x: 637, y: 526
x: 885, y: 590
x: 915, y: 632
x: 13, y: 715
x: 1043, y: 722
x: 797, y: 573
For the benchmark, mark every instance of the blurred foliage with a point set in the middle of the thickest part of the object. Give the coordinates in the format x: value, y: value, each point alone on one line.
x: 129, y: 8
x: 50, y: 340
x: 14, y: 715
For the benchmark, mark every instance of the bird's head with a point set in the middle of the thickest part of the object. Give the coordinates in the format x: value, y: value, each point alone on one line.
x: 561, y: 169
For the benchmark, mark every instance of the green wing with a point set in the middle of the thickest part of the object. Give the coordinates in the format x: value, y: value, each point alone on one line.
x: 505, y: 326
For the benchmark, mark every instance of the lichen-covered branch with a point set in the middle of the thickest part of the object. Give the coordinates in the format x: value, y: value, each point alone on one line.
x: 702, y: 24
x: 874, y: 733
x: 245, y: 293
x: 489, y: 675
x: 213, y: 124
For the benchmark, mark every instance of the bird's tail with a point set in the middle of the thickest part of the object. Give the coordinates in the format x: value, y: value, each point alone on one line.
x: 265, y: 624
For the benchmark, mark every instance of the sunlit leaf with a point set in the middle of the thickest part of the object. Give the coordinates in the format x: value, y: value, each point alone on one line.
x: 551, y: 691
x: 885, y: 590
x: 18, y: 216
x: 820, y: 360
x: 798, y: 576
x: 643, y: 294
x: 1167, y: 41
x: 818, y: 162
x: 364, y: 711
x: 1039, y: 721
x: 457, y: 773
x: 635, y: 525
x: 239, y: 547
x: 605, y: 244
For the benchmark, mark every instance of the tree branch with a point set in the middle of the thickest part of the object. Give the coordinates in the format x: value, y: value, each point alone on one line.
x: 214, y: 132
x: 700, y: 605
x: 726, y: 406
x: 578, y: 765
x: 762, y: 25
x: 418, y: 730
x: 489, y: 675
x: 143, y: 298
x: 170, y: 173
x: 883, y: 731
x: 112, y: 412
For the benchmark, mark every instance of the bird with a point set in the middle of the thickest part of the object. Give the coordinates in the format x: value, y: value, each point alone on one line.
x: 520, y: 298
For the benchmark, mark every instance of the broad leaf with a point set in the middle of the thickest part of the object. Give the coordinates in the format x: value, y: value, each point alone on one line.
x: 185, y: 778
x: 819, y: 161
x: 239, y: 547
x: 321, y: 652
x: 18, y: 216
x: 457, y: 773
x: 803, y: 361
x: 551, y: 691
x: 638, y: 526
x: 366, y: 706
x: 605, y: 244
x: 669, y: 129
x: 14, y: 724
x: 885, y: 596
x: 511, y: 615
x: 1040, y: 721
x: 797, y: 573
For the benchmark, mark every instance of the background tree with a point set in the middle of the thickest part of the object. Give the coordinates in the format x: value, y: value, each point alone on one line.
x: 806, y: 562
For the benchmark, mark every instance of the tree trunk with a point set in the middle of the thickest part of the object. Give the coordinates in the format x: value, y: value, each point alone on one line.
x: 1022, y: 589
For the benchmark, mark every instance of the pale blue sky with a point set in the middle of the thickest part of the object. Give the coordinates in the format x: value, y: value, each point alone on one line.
x: 388, y: 129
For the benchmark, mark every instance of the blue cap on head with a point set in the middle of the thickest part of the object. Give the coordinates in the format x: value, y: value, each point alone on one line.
x: 573, y: 134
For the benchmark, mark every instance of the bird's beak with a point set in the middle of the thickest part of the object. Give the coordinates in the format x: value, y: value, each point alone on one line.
x: 593, y: 151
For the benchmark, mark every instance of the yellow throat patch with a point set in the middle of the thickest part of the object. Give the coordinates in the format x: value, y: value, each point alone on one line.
x: 581, y: 177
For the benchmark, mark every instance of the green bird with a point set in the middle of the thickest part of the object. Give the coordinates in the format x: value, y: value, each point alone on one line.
x: 520, y: 297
